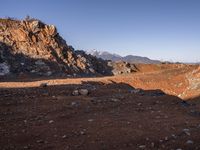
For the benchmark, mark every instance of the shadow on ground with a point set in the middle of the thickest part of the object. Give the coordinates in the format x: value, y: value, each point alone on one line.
x: 111, y: 116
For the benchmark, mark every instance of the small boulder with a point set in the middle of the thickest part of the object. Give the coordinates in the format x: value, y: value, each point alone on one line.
x: 75, y: 93
x: 51, y: 121
x: 75, y: 104
x: 189, y: 142
x: 186, y: 131
x: 64, y: 136
x: 83, y: 92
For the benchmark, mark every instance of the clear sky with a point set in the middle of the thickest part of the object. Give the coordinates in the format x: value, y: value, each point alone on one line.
x: 159, y: 29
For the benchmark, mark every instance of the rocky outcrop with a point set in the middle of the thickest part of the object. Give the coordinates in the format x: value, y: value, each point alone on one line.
x: 122, y: 67
x: 193, y: 83
x: 32, y: 47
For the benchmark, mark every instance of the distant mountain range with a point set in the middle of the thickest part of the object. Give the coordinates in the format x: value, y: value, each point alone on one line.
x: 115, y: 57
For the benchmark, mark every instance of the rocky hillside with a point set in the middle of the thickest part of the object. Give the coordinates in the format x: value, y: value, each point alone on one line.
x: 32, y: 47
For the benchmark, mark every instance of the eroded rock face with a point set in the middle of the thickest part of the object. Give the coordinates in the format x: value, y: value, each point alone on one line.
x: 30, y: 46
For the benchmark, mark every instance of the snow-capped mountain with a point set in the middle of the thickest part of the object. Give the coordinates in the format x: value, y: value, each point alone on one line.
x: 115, y: 57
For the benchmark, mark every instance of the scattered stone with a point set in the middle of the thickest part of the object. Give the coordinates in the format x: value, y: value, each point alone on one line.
x: 189, y: 142
x: 174, y: 136
x: 187, y: 132
x: 75, y: 104
x: 49, y: 73
x: 90, y: 120
x: 82, y: 132
x: 75, y: 93
x: 26, y: 147
x: 40, y: 141
x: 83, y: 92
x: 142, y: 146
x: 152, y: 144
x: 114, y: 100
x: 173, y: 128
x: 136, y: 91
x: 51, y: 121
x: 64, y: 136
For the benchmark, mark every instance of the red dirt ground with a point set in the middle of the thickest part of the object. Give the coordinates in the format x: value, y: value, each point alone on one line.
x: 112, y: 116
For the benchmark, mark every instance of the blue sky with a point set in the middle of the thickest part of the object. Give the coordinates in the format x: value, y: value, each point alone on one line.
x: 159, y: 29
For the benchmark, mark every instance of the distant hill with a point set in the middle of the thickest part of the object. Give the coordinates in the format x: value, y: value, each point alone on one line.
x: 129, y: 58
x: 104, y: 55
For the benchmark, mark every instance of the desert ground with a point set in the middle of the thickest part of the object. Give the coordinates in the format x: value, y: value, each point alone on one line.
x: 155, y: 108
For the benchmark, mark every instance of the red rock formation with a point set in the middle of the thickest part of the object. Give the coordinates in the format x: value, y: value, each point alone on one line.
x: 35, y: 40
